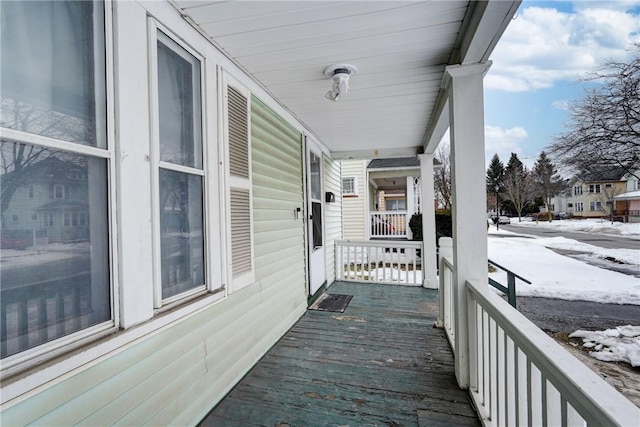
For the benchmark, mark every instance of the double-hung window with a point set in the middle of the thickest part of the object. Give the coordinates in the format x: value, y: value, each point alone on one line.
x: 178, y: 150
x: 56, y: 282
x: 349, y: 186
x: 594, y: 188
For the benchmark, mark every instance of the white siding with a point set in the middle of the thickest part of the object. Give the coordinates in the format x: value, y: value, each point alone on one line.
x: 333, y: 214
x: 354, y: 208
x: 175, y: 373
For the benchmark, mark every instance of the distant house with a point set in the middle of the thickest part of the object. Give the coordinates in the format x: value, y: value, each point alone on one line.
x: 592, y: 194
x: 48, y: 205
x: 627, y: 204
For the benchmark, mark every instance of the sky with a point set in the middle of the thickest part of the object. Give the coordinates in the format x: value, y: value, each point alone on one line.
x: 538, y: 65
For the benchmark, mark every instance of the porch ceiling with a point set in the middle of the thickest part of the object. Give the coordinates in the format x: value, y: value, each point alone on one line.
x: 395, y: 104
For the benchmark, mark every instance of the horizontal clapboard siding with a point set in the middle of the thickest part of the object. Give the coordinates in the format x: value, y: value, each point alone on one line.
x: 354, y: 209
x: 176, y: 375
x: 333, y: 213
x: 277, y: 192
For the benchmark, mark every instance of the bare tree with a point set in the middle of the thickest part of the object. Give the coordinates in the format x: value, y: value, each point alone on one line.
x: 604, y: 129
x: 442, y: 176
x: 605, y: 197
x: 18, y: 159
x: 518, y: 184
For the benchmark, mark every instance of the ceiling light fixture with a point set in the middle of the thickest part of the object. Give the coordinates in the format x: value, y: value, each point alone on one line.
x: 340, y: 73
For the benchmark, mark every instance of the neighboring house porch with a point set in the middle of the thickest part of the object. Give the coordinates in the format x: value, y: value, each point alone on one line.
x: 394, y: 195
x: 627, y: 206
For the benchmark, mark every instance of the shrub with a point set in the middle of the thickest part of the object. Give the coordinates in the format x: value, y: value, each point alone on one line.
x: 444, y: 225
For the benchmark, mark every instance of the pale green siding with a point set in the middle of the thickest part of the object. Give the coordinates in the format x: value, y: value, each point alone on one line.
x: 354, y: 209
x: 333, y: 214
x: 175, y: 376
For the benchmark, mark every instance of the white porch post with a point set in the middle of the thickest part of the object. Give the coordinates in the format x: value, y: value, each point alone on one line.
x: 466, y: 113
x: 429, y: 267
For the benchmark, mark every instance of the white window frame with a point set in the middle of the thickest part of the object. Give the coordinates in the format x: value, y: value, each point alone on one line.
x: 595, y: 206
x: 158, y: 32
x: 105, y: 107
x: 577, y: 190
x: 594, y: 188
x: 228, y: 181
x: 579, y: 207
x: 355, y: 185
x: 62, y: 192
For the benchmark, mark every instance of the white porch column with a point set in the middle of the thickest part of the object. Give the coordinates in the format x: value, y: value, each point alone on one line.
x: 466, y: 115
x: 429, y: 267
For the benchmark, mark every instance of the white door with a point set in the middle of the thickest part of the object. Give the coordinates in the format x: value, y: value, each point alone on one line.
x: 315, y: 218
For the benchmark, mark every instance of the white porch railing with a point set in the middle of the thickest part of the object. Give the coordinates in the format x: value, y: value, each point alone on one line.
x: 518, y: 375
x: 392, y: 224
x: 383, y: 261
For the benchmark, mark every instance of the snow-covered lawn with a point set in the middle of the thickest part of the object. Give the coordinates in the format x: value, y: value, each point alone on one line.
x: 590, y: 225
x: 557, y: 276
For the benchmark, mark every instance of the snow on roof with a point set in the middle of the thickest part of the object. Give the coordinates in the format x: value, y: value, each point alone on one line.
x: 631, y: 195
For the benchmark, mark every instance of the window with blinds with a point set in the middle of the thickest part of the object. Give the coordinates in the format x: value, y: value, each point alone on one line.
x: 238, y: 140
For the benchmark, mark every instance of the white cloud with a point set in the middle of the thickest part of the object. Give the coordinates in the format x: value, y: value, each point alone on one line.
x: 543, y: 45
x: 561, y: 104
x: 504, y: 142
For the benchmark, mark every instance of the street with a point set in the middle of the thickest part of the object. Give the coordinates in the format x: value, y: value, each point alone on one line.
x: 559, y: 315
x: 601, y: 240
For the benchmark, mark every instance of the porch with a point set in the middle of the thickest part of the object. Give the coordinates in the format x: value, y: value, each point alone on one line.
x: 381, y: 362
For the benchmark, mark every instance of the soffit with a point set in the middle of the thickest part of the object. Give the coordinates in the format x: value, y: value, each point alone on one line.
x: 400, y: 48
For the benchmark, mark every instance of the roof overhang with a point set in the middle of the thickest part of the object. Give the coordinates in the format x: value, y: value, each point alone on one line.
x: 396, y: 106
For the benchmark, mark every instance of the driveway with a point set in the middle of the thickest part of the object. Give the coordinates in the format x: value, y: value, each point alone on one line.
x: 556, y: 315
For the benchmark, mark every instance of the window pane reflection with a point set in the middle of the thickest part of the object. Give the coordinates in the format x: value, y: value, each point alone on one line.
x: 52, y: 75
x: 179, y: 104
x: 54, y: 262
x: 182, y: 241
x: 315, y: 176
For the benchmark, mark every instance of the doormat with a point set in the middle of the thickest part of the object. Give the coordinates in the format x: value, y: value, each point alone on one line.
x: 328, y: 302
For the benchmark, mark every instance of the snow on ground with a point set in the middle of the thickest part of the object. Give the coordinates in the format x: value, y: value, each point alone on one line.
x: 557, y: 276
x: 590, y: 225
x: 621, y: 344
x: 37, y: 255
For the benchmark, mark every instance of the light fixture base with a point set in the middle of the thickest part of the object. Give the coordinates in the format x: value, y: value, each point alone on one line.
x: 331, y: 69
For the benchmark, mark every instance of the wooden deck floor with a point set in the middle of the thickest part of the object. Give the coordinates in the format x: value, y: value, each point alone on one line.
x: 380, y: 363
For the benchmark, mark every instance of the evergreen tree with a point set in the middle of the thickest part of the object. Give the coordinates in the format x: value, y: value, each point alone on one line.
x: 495, y: 175
x: 546, y: 179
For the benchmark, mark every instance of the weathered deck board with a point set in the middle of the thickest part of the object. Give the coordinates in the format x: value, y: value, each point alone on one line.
x: 380, y: 363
